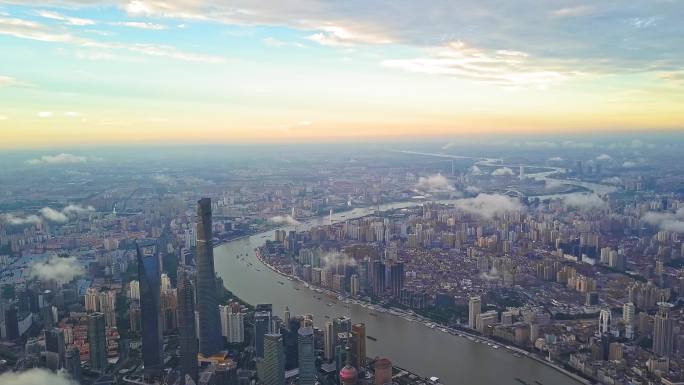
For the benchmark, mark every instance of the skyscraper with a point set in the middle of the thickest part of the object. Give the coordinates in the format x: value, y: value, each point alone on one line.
x: 210, y: 341
x: 605, y: 319
x: 150, y: 310
x: 663, y: 330
x: 358, y: 345
x: 329, y: 342
x: 307, y: 358
x: 262, y: 327
x: 54, y: 348
x: 97, y: 342
x: 72, y: 360
x: 271, y: 368
x: 474, y: 309
x: 397, y: 278
x: 383, y: 371
x: 187, y: 339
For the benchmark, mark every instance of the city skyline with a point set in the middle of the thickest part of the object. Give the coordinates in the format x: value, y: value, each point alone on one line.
x: 107, y: 72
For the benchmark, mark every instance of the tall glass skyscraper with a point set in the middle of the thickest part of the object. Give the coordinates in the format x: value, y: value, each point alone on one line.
x: 97, y: 342
x: 150, y: 317
x: 307, y: 358
x: 187, y: 339
x: 271, y: 368
x: 210, y: 341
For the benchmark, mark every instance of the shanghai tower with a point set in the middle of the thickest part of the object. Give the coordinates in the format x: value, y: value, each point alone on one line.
x: 210, y: 341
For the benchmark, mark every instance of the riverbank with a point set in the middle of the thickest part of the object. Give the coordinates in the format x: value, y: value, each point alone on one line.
x: 411, y: 316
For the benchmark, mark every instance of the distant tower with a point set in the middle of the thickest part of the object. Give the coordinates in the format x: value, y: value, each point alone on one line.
x: 358, y: 345
x: 663, y: 330
x: 187, y: 339
x: 604, y: 321
x: 54, y: 349
x: 97, y: 342
x: 307, y: 357
x: 72, y: 360
x: 522, y: 172
x: 150, y: 311
x: 210, y: 341
x: 348, y: 374
x: 383, y: 371
x: 271, y: 368
x: 331, y: 216
x: 474, y: 309
x: 329, y: 342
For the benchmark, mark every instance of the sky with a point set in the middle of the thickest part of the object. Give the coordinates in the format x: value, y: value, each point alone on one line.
x: 84, y: 72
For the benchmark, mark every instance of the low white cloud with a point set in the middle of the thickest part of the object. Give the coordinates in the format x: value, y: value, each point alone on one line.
x: 503, y: 171
x: 555, y: 159
x: 604, y: 157
x: 284, y: 220
x: 140, y: 25
x: 35, y: 377
x: 16, y: 220
x: 6, y: 81
x: 613, y: 180
x: 58, y: 269
x: 435, y: 183
x: 553, y: 184
x: 573, y: 144
x: 489, y: 205
x: 666, y: 220
x: 66, y: 19
x: 62, y: 158
x: 584, y: 201
x: 45, y: 114
x: 77, y: 209
x: 448, y: 145
x: 53, y: 215
x: 164, y: 179
x: 541, y: 144
x: 628, y: 164
x: 476, y: 171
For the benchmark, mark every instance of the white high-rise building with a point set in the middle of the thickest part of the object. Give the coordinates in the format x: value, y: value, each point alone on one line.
x: 92, y: 300
x: 165, y: 282
x: 134, y: 290
x: 232, y: 323
x: 604, y: 321
x: 474, y: 309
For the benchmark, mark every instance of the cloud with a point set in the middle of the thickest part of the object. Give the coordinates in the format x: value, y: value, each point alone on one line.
x: 461, y: 61
x: 584, y: 201
x: 489, y: 205
x: 15, y: 220
x: 628, y: 164
x: 53, y: 215
x: 66, y: 19
x: 45, y: 114
x: 573, y: 144
x: 332, y: 259
x: 541, y: 144
x: 36, y: 376
x: 139, y: 25
x: 164, y: 179
x: 58, y: 269
x: 576, y: 11
x: 448, y: 145
x: 273, y: 42
x: 6, y: 81
x: 26, y: 29
x: 553, y: 184
x: 604, y: 157
x: 476, y: 171
x: 284, y: 220
x: 555, y: 159
x: 503, y: 171
x: 613, y: 180
x: 62, y: 158
x: 667, y: 221
x: 434, y: 183
x: 77, y: 209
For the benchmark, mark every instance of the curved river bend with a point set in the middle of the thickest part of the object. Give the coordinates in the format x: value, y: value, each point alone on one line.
x: 411, y: 345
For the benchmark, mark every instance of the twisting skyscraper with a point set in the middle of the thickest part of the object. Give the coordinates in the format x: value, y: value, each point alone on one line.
x: 187, y: 338
x: 210, y: 341
x: 150, y: 317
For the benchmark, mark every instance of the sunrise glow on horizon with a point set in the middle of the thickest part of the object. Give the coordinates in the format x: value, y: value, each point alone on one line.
x: 119, y: 71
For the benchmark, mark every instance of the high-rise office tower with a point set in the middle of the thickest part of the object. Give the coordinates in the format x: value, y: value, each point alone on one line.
x: 383, y: 371
x: 97, y: 342
x: 605, y: 319
x: 397, y: 278
x: 307, y: 358
x: 329, y: 342
x: 54, y: 349
x: 663, y: 330
x: 232, y: 323
x: 72, y: 362
x: 474, y: 309
x: 262, y: 327
x: 187, y: 336
x: 378, y: 278
x: 271, y: 368
x: 210, y: 341
x: 150, y: 311
x: 628, y: 317
x: 358, y: 345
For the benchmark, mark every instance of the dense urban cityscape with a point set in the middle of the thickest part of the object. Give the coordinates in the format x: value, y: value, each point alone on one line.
x: 571, y: 263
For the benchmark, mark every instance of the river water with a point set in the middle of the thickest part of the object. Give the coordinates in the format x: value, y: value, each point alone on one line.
x: 411, y: 345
